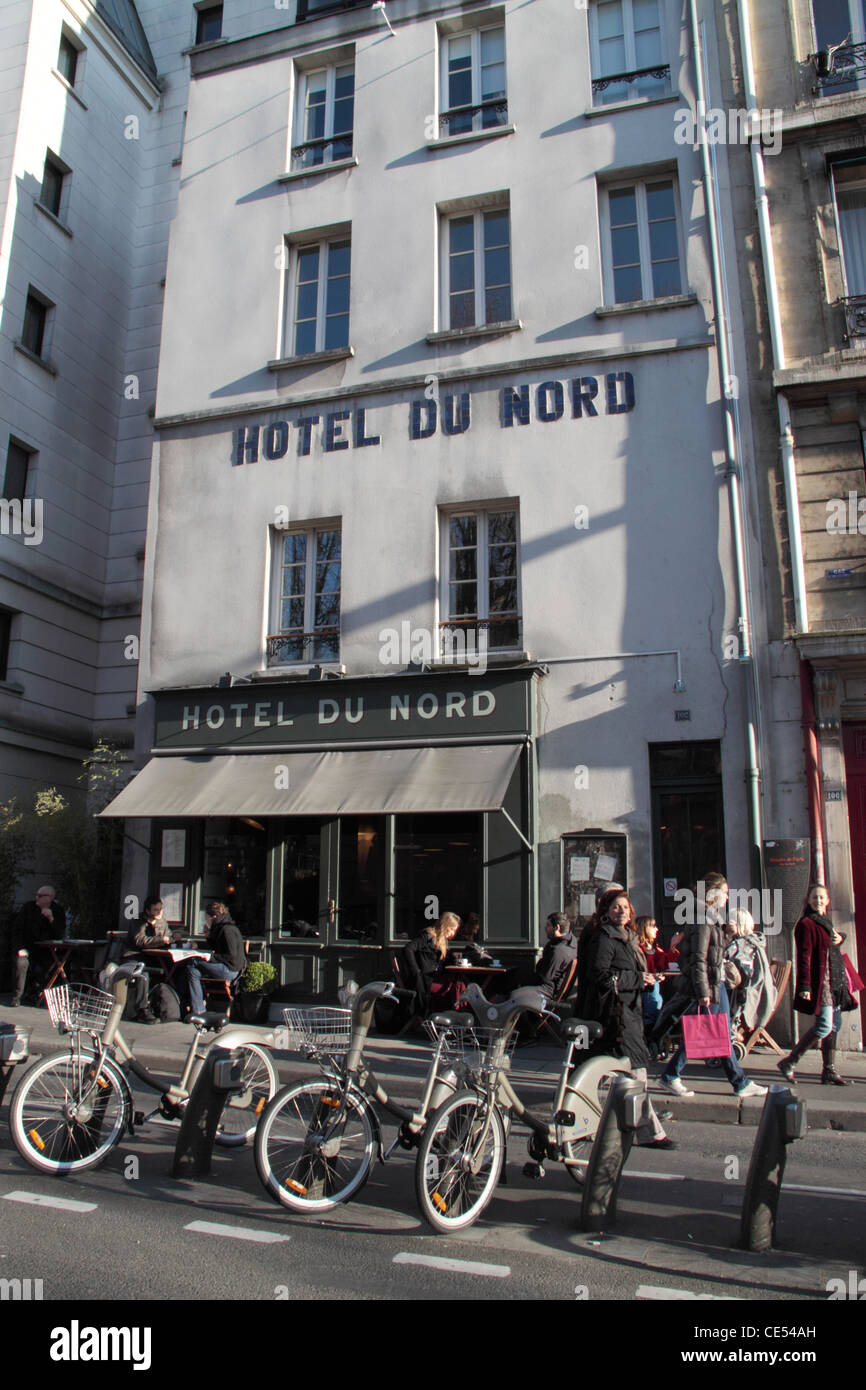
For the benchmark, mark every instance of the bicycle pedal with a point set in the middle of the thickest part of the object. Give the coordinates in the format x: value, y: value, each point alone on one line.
x: 534, y: 1171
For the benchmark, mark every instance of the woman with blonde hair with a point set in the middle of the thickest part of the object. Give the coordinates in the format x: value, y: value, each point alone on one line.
x: 422, y: 961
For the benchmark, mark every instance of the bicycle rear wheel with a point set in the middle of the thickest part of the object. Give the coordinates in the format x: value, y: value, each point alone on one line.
x: 63, y: 1117
x: 459, y: 1161
x: 314, y: 1146
x: 243, y: 1109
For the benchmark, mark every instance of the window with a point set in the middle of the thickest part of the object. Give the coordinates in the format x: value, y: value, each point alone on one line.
x: 477, y: 269
x: 67, y: 59
x: 18, y: 461
x: 306, y: 590
x: 481, y: 581
x: 642, y: 241
x: 5, y: 640
x: 325, y: 113
x: 307, y: 9
x: 849, y: 186
x: 473, y: 81
x: 36, y: 317
x: 208, y: 23
x: 319, y: 290
x: 53, y: 177
x: 627, y: 51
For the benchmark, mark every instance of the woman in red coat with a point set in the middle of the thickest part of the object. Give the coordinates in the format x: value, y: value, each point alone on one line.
x: 822, y: 988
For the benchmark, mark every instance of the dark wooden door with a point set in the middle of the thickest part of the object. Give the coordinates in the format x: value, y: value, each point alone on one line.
x: 854, y: 744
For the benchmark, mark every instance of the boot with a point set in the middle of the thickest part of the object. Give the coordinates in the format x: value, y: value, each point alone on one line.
x: 830, y: 1076
x: 787, y: 1064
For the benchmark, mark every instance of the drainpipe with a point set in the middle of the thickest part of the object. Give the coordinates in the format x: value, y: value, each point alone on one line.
x: 813, y: 775
x: 786, y: 434
x: 733, y: 465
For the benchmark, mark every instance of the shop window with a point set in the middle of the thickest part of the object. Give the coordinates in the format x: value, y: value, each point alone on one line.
x: 480, y: 567
x: 627, y: 50
x: 437, y: 868
x: 688, y: 820
x: 301, y: 879
x: 19, y: 464
x: 235, y: 863
x: 476, y: 268
x: 361, y: 890
x: 317, y: 290
x: 473, y: 94
x: 305, y: 611
x: 324, y: 115
x: 641, y: 241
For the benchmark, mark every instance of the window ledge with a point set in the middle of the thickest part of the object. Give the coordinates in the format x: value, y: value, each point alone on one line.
x: 469, y: 137
x: 52, y: 217
x: 487, y: 330
x: 203, y: 47
x: 592, y: 112
x: 11, y: 688
x: 642, y: 306
x: 517, y: 657
x: 69, y: 87
x: 178, y: 159
x: 292, y: 175
x: 280, y: 364
x: 301, y: 672
x: 40, y: 361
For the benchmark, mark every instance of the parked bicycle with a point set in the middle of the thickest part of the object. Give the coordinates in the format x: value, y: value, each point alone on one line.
x: 462, y: 1151
x: 73, y: 1107
x: 316, y: 1140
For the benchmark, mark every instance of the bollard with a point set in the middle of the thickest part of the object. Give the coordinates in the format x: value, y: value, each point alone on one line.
x: 221, y: 1072
x: 620, y: 1118
x: 782, y: 1119
x: 14, y: 1048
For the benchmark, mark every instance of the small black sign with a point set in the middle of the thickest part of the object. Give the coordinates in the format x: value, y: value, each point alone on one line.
x: 682, y: 714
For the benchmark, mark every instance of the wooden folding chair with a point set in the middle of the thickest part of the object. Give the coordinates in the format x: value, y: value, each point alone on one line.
x: 781, y: 973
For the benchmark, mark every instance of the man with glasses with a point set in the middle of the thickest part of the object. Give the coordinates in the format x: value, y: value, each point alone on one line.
x: 42, y: 920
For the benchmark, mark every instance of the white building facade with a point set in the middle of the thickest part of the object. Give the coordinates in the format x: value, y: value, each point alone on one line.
x: 446, y: 594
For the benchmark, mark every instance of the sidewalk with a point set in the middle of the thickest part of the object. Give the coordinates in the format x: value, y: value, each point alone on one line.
x: 535, y: 1070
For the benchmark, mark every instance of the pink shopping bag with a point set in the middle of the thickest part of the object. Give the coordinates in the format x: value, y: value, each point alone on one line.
x: 706, y: 1035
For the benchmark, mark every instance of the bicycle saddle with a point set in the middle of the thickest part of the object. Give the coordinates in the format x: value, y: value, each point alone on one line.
x: 207, y: 1022
x: 572, y: 1027
x: 451, y: 1019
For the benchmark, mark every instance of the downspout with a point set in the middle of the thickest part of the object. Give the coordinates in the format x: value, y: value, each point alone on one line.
x: 813, y: 774
x: 786, y: 434
x: 733, y: 465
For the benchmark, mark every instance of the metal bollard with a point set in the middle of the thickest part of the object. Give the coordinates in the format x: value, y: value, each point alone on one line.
x: 620, y: 1118
x: 221, y: 1073
x: 782, y: 1119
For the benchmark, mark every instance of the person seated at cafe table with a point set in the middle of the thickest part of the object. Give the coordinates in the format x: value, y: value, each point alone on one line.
x: 150, y: 932
x: 228, y: 957
x: 554, y: 966
x: 466, y: 942
x: 41, y: 920
x: 422, y: 963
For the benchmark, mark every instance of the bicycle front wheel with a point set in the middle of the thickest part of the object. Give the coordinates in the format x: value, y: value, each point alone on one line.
x: 314, y: 1146
x: 243, y: 1109
x: 459, y: 1161
x: 65, y: 1116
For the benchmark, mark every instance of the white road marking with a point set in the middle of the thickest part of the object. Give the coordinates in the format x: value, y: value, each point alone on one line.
x: 832, y: 1191
x: 657, y: 1177
x: 38, y: 1199
x: 215, y: 1228
x: 453, y: 1266
x: 679, y: 1295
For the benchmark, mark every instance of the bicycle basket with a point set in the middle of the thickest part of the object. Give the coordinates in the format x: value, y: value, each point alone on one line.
x: 78, y: 1007
x: 323, y: 1030
x: 471, y: 1044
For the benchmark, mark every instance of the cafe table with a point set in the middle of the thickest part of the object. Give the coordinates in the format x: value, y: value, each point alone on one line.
x: 171, y: 958
x: 61, y: 953
x: 481, y: 975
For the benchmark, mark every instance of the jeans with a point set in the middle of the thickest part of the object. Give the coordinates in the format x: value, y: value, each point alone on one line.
x: 827, y: 1020
x: 652, y: 1004
x: 214, y: 970
x: 731, y: 1067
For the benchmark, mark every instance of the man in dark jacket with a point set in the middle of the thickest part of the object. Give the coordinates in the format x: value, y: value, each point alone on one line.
x: 228, y: 958
x: 554, y: 966
x: 42, y: 920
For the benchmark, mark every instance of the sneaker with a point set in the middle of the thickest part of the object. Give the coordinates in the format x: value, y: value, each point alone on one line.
x: 146, y: 1017
x: 753, y: 1089
x: 674, y: 1085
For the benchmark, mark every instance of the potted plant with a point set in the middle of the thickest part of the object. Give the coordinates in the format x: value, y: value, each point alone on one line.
x: 256, y: 983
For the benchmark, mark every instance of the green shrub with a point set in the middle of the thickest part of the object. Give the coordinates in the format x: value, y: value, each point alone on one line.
x: 258, y: 978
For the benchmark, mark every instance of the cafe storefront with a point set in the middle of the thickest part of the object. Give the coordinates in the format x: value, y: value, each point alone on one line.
x: 358, y: 810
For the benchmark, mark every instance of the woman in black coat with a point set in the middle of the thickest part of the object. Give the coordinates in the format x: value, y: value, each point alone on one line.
x: 611, y: 993
x: 822, y: 986
x: 422, y: 961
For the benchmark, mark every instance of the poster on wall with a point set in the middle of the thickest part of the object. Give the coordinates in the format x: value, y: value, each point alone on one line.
x: 590, y: 860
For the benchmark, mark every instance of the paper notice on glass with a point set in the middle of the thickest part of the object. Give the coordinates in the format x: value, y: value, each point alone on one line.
x: 605, y: 867
x: 587, y: 904
x: 172, y: 901
x: 173, y: 849
x: 578, y: 869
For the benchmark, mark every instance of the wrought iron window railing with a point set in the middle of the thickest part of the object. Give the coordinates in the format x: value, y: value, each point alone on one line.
x: 622, y: 79
x: 461, y: 119
x: 327, y: 150
x: 854, y: 308
x: 459, y: 635
x: 839, y: 66
x: 290, y: 648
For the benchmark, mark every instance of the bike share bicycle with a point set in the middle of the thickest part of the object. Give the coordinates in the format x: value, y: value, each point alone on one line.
x: 73, y: 1107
